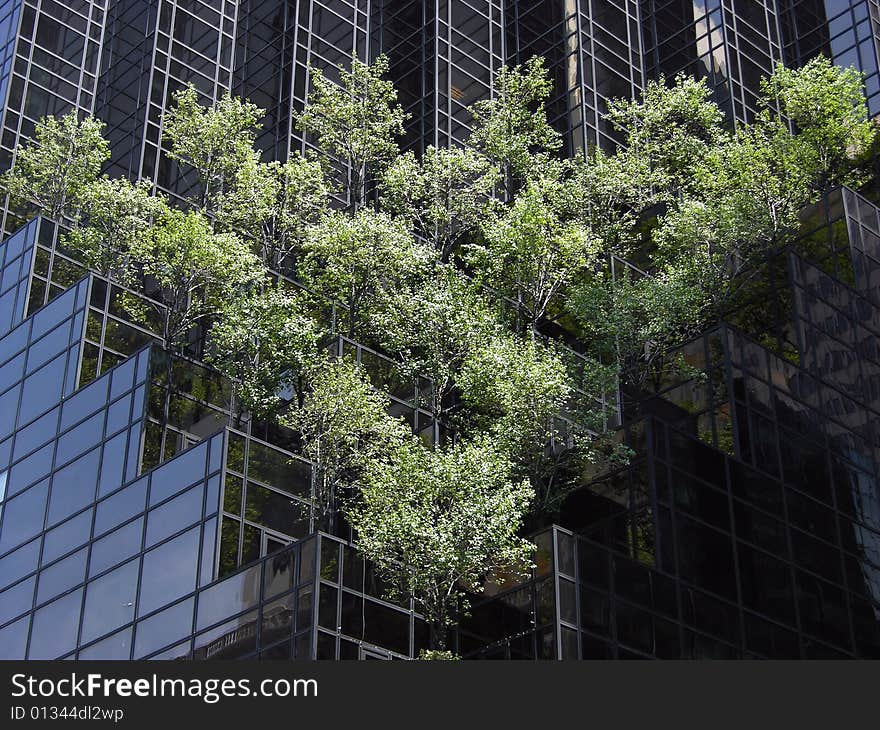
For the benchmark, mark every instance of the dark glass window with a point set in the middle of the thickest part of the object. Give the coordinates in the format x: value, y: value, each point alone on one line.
x: 19, y: 563
x: 112, y: 463
x: 17, y: 599
x: 13, y: 639
x: 277, y: 511
x: 279, y: 573
x: 42, y: 390
x: 116, y: 547
x: 705, y: 557
x: 61, y: 576
x: 766, y: 584
x: 117, y: 646
x: 80, y: 438
x: 178, y: 473
x: 235, y: 594
x: 122, y: 505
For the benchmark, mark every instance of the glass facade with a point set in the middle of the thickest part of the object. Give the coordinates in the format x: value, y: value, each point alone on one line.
x: 730, y: 44
x: 845, y: 32
x: 142, y: 515
x: 594, y: 52
x: 747, y: 524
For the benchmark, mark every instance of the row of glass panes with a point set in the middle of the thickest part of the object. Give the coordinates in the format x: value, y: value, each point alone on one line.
x: 169, y: 563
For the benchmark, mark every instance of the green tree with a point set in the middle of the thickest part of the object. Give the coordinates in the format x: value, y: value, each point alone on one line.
x: 436, y: 523
x: 192, y: 271
x: 633, y: 321
x: 608, y: 193
x: 826, y: 104
x: 515, y: 389
x: 267, y: 345
x: 215, y: 140
x: 534, y: 248
x: 511, y: 128
x: 275, y: 204
x: 344, y: 425
x: 672, y: 128
x: 116, y: 216
x: 52, y: 172
x: 752, y: 188
x: 355, y: 260
x: 355, y: 123
x: 447, y: 194
x: 432, y: 328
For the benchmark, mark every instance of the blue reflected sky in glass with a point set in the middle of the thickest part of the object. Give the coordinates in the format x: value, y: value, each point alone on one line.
x: 17, y: 251
x: 8, y: 26
x: 55, y: 627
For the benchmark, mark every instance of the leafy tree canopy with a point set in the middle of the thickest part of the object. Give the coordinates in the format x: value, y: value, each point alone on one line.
x: 512, y: 127
x: 355, y: 122
x: 194, y: 271
x: 215, y: 140
x: 672, y: 127
x: 447, y: 194
x: 437, y: 522
x: 356, y: 259
x: 52, y: 174
x: 826, y: 104
x: 267, y: 343
x: 456, y: 264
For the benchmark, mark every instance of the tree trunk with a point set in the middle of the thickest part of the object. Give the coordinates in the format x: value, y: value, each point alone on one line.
x: 439, y: 633
x: 166, y: 399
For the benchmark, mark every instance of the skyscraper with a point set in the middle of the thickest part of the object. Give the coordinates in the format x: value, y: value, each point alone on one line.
x: 140, y: 516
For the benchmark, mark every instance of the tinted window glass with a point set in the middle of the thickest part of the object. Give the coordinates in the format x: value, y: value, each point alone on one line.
x: 164, y: 628
x: 23, y: 516
x: 37, y: 434
x: 30, y: 469
x: 17, y: 599
x: 178, y: 473
x: 80, y: 438
x: 117, y: 646
x: 169, y: 571
x: 42, y: 389
x: 240, y: 592
x: 116, y: 546
x: 18, y: 564
x: 73, y: 487
x: 277, y: 511
x: 110, y: 601
x: 55, y: 625
x: 84, y: 402
x: 67, y: 536
x: 13, y: 639
x: 173, y: 516
x: 122, y: 505
x: 112, y: 463
x: 61, y: 576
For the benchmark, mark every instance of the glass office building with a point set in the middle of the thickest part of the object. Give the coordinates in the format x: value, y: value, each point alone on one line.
x: 142, y: 516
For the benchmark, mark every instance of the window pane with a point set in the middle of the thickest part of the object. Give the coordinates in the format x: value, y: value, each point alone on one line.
x: 110, y: 601
x: 164, y: 628
x: 173, y: 516
x: 73, y: 487
x: 55, y: 625
x: 169, y: 571
x: 23, y: 516
x: 61, y: 576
